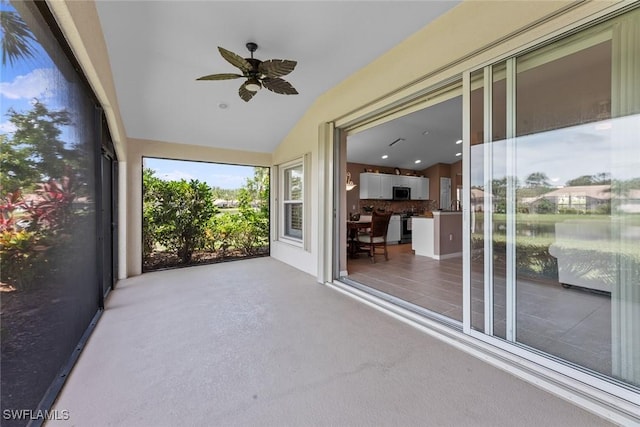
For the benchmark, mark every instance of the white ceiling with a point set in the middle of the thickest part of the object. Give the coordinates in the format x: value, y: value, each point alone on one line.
x: 429, y: 135
x: 157, y: 50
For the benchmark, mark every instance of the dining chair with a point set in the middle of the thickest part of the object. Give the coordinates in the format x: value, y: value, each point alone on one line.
x: 376, y: 237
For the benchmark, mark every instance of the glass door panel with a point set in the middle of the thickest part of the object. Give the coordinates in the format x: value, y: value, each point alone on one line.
x: 555, y: 199
x: 563, y: 194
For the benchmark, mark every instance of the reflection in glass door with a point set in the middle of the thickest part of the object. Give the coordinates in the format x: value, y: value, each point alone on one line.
x: 555, y: 199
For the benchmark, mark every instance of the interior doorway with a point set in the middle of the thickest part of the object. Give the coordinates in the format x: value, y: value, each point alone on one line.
x: 411, y: 166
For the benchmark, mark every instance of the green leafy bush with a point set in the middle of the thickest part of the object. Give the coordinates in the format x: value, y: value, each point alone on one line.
x: 180, y: 217
x: 21, y: 258
x: 150, y: 209
x: 179, y: 214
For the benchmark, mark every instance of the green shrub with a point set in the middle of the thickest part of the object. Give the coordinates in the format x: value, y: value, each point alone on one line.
x: 181, y: 216
x: 22, y: 259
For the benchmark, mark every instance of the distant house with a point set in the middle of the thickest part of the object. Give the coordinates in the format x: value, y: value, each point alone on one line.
x: 477, y: 200
x: 631, y: 203
x: 580, y: 198
x: 585, y: 198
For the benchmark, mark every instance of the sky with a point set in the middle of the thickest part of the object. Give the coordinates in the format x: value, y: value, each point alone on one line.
x: 27, y: 79
x: 601, y: 147
x: 220, y: 175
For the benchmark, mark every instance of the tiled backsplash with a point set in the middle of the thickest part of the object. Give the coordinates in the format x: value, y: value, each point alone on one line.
x: 413, y: 206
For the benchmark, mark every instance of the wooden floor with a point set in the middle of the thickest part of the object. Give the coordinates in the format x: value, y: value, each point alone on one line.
x: 573, y: 324
x: 434, y: 285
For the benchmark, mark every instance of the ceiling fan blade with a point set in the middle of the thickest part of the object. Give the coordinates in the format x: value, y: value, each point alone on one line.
x: 245, y: 93
x: 235, y: 60
x: 277, y: 67
x: 223, y: 76
x: 278, y: 85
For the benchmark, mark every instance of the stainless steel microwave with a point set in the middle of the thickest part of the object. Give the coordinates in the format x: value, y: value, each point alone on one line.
x: 401, y: 193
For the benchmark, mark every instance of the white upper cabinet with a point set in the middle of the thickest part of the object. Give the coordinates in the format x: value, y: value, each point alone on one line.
x: 402, y: 181
x: 380, y: 186
x: 376, y: 186
x: 421, y: 190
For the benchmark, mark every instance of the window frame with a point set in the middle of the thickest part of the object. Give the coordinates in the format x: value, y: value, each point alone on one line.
x: 286, y: 202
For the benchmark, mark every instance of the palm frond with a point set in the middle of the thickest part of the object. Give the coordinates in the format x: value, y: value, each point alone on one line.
x: 17, y: 39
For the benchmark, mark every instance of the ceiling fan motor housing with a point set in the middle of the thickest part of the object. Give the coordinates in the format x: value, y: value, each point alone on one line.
x: 252, y: 47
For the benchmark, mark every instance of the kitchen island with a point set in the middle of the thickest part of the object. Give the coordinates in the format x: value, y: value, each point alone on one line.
x: 439, y: 237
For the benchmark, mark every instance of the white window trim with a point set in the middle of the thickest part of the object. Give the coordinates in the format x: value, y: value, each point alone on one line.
x: 282, y: 202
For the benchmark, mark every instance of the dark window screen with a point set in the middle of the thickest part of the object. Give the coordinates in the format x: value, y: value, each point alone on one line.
x: 48, y: 247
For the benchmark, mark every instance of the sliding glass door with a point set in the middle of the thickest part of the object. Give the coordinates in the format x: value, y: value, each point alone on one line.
x: 554, y: 221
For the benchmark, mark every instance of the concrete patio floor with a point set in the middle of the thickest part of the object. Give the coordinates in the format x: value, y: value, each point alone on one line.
x: 257, y: 342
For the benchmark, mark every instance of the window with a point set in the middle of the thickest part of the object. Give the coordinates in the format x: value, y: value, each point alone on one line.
x: 292, y: 196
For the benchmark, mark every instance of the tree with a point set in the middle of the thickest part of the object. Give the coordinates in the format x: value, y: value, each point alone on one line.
x: 35, y: 153
x: 545, y: 206
x: 258, y: 187
x: 601, y: 178
x: 150, y: 208
x: 17, y: 170
x: 537, y: 179
x: 17, y: 39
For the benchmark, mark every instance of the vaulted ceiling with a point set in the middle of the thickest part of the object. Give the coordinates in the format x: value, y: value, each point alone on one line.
x: 157, y: 50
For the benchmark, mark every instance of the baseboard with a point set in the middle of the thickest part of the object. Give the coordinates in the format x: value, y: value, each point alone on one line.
x: 448, y: 256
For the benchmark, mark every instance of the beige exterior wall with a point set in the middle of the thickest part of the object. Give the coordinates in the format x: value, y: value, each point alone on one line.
x: 469, y: 35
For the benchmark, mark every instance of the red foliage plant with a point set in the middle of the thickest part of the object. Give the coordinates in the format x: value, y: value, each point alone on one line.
x: 53, y: 209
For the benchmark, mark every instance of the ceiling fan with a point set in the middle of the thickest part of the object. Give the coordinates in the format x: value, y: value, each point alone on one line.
x: 258, y: 73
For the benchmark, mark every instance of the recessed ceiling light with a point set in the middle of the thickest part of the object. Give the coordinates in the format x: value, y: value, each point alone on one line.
x: 459, y: 141
x: 426, y: 132
x: 385, y: 156
x: 223, y: 105
x: 458, y: 154
x: 417, y: 161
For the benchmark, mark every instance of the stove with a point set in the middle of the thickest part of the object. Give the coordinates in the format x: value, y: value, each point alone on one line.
x: 405, y: 232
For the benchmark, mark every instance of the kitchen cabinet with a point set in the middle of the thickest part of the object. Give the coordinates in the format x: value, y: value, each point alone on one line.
x: 394, y: 232
x: 420, y: 190
x: 376, y: 186
x: 380, y: 186
x: 439, y: 237
x: 402, y: 181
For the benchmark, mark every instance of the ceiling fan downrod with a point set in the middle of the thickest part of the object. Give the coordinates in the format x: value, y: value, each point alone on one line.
x: 252, y: 48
